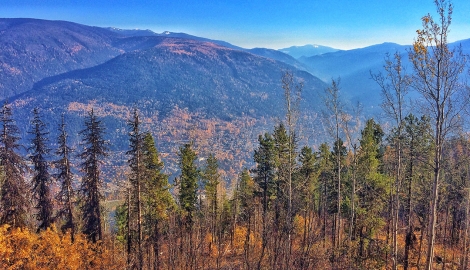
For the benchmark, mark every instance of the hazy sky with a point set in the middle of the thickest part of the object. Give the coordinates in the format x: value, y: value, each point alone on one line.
x: 343, y: 24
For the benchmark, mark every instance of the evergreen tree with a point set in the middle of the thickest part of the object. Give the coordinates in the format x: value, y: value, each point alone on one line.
x: 372, y: 189
x: 245, y: 191
x: 265, y: 171
x: 136, y: 186
x: 211, y: 179
x: 305, y: 199
x: 188, y: 182
x: 418, y: 146
x: 338, y: 154
x: 326, y: 185
x: 94, y: 150
x: 121, y: 223
x: 14, y: 191
x: 283, y: 164
x: 41, y: 179
x: 64, y: 176
x: 305, y: 180
x: 157, y: 199
x: 265, y: 179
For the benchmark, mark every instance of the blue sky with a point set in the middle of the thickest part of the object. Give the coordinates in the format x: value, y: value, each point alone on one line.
x: 343, y: 24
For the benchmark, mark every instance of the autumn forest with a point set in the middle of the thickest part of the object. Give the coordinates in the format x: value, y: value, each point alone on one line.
x: 391, y: 193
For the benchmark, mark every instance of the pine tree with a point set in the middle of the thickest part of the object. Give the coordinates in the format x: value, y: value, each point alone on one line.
x: 94, y: 151
x: 188, y: 199
x: 418, y: 144
x: 64, y: 177
x: 41, y: 179
x: 14, y: 191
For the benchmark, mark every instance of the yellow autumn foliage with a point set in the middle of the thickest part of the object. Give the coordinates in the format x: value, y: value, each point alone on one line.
x: 50, y: 249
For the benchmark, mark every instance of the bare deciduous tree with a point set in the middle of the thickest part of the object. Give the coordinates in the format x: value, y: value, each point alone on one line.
x: 394, y: 85
x: 437, y: 73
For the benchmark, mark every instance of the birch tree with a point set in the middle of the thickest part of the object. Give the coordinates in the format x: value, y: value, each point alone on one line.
x: 437, y: 77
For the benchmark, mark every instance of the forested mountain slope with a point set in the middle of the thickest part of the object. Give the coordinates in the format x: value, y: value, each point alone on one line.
x: 185, y: 90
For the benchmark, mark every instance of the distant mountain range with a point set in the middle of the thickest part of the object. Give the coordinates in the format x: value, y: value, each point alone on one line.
x: 307, y: 50
x: 354, y: 68
x: 186, y: 88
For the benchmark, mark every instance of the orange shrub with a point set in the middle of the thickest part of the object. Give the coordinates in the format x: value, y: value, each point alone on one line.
x: 22, y: 249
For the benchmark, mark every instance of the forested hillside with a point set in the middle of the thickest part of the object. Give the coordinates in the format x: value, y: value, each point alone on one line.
x: 166, y: 151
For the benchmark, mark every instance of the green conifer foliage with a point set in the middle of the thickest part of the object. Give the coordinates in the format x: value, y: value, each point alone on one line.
x: 66, y: 195
x: 188, y: 182
x: 41, y: 179
x: 94, y: 151
x: 14, y: 191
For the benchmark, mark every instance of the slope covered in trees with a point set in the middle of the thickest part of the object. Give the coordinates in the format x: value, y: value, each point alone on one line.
x: 216, y: 96
x: 371, y: 196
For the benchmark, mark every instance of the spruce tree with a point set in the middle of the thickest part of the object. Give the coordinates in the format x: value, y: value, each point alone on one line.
x: 305, y: 180
x: 373, y: 186
x: 265, y: 178
x: 325, y: 185
x: 64, y: 177
x: 14, y: 191
x: 136, y: 185
x: 305, y: 198
x: 211, y: 179
x: 157, y: 199
x: 41, y: 179
x: 94, y: 151
x: 265, y: 171
x: 245, y: 192
x: 188, y: 181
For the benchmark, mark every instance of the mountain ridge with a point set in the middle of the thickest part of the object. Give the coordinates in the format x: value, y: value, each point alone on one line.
x: 186, y: 88
x: 183, y: 89
x: 307, y: 50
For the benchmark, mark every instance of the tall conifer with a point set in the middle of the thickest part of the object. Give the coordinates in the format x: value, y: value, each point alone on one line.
x: 188, y: 181
x: 14, y: 191
x: 136, y: 184
x: 94, y: 150
x: 64, y: 177
x: 157, y: 199
x: 41, y: 179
